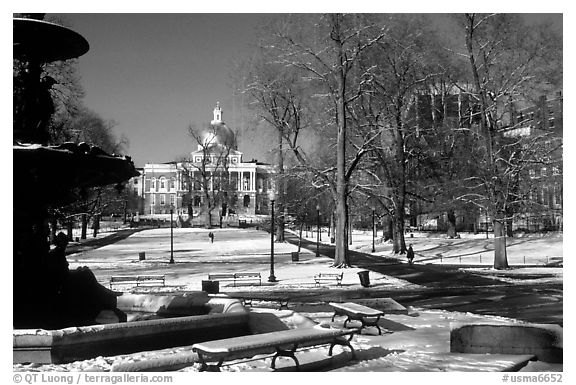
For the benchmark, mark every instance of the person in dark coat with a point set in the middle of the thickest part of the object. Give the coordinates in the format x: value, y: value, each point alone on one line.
x: 410, y: 254
x: 58, y: 265
x: 211, y: 236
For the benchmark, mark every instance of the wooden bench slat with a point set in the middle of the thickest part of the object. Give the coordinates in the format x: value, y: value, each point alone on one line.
x: 268, y: 340
x: 229, y: 348
x: 137, y: 280
x: 329, y: 277
x: 357, y: 309
x: 239, y: 276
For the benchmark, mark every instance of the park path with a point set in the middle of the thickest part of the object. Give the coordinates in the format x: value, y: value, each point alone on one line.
x: 446, y: 287
x: 444, y: 276
x: 94, y: 243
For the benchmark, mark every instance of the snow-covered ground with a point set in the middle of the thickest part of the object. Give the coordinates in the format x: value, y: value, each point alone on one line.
x: 249, y: 250
x: 410, y: 339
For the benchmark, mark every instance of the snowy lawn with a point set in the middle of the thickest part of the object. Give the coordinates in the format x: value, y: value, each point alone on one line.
x: 414, y: 342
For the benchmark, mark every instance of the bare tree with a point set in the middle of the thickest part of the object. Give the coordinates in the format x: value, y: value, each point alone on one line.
x: 503, y: 56
x: 403, y: 64
x: 207, y: 171
x: 324, y: 52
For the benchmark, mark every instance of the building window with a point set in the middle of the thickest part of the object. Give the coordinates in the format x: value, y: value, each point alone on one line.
x: 532, y: 173
x: 246, y: 200
x: 557, y: 196
x: 153, y: 198
x: 173, y: 199
x: 172, y: 184
x: 153, y: 184
x: 163, y: 183
x: 197, y: 201
x: 162, y: 199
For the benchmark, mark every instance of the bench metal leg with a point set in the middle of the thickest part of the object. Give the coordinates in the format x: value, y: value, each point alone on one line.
x: 285, y: 353
x: 283, y: 303
x: 209, y: 368
x: 342, y: 342
x: 334, y: 315
x: 348, y: 320
x: 366, y: 322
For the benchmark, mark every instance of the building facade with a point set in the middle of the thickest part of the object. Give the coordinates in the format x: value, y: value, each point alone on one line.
x: 214, y: 179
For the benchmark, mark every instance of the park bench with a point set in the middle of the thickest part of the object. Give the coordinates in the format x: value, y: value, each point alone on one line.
x: 325, y: 277
x: 366, y: 315
x: 236, y: 277
x: 282, y: 301
x: 137, y: 280
x: 284, y: 343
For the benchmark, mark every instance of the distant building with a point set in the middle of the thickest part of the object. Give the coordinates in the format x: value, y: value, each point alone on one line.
x: 215, y: 176
x: 540, y: 186
x: 542, y: 183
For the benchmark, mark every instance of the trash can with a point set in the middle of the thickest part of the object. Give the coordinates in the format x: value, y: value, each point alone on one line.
x: 295, y: 256
x: 364, y: 278
x: 211, y: 287
x: 141, y: 256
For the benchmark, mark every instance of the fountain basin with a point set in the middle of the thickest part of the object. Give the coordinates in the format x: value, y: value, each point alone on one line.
x: 226, y: 317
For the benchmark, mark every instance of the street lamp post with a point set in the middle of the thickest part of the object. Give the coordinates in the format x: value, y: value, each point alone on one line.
x: 171, y: 235
x: 318, y: 232
x: 373, y: 204
x: 272, y: 197
x: 373, y: 234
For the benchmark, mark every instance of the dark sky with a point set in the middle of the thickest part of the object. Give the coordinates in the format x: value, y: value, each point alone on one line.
x: 155, y: 74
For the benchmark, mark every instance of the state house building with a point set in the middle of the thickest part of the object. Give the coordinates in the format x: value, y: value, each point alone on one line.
x: 234, y: 187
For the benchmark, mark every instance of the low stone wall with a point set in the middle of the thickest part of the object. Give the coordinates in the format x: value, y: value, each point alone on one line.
x: 542, y: 340
x: 195, y: 303
x: 78, y: 343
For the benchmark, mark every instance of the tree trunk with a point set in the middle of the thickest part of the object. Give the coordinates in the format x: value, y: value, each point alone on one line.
x: 69, y: 231
x: 84, y: 226
x: 451, y: 233
x: 281, y: 190
x: 350, y: 228
x: 332, y: 237
x: 208, y: 222
x: 500, y: 257
x: 300, y: 236
x: 399, y: 243
x: 96, y: 225
x: 341, y: 252
x: 190, y: 200
x: 496, y: 191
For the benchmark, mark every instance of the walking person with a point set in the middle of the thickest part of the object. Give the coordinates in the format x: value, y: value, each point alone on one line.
x: 410, y: 254
x: 211, y: 236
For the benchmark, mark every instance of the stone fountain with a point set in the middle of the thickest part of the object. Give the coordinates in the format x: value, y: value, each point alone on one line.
x: 45, y: 176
